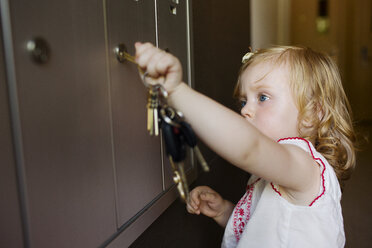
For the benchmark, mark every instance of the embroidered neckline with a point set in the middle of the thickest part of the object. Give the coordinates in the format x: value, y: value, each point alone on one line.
x: 242, y: 211
x: 316, y: 159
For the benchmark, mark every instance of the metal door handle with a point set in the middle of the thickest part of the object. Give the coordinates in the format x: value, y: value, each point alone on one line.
x: 39, y: 50
x: 120, y: 51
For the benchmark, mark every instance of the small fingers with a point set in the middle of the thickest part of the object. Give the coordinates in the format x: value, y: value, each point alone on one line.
x: 144, y: 52
x: 154, y: 60
x: 153, y: 64
x: 165, y: 62
x: 194, y: 203
x: 193, y: 206
x: 194, y: 197
x: 207, y: 196
x: 142, y: 47
x: 192, y: 210
x: 158, y: 63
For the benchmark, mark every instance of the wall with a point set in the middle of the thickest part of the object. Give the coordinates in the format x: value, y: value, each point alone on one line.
x: 270, y: 23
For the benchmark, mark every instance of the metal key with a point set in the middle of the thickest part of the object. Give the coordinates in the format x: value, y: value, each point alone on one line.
x: 180, y: 179
x: 175, y: 149
x: 152, y: 111
x: 173, y: 143
x: 191, y: 140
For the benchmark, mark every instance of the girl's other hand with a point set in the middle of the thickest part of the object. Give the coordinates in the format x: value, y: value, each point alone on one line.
x: 206, y: 201
x: 159, y: 63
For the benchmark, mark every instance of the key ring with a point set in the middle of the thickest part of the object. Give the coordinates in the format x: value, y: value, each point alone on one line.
x: 169, y: 119
x: 157, y: 86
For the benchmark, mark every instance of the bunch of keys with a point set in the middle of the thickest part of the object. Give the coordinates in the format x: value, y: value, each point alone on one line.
x: 156, y: 97
x: 176, y: 132
x: 156, y: 92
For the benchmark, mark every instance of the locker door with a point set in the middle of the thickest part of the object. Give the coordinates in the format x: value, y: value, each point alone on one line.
x: 173, y: 37
x: 137, y: 154
x: 10, y: 224
x: 173, y: 32
x: 64, y: 114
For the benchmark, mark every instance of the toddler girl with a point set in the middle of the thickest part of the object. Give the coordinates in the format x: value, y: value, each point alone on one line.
x: 294, y: 135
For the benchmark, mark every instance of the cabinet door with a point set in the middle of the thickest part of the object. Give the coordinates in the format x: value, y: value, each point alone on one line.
x: 64, y: 112
x: 173, y: 29
x: 10, y: 224
x: 137, y: 154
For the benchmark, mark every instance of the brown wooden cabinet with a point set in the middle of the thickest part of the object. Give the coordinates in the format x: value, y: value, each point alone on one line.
x: 11, y: 220
x: 92, y: 174
x: 138, y: 167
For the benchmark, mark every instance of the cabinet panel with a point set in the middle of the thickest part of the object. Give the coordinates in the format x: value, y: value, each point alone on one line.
x: 137, y: 154
x: 172, y: 28
x: 173, y: 37
x: 10, y: 224
x: 64, y: 113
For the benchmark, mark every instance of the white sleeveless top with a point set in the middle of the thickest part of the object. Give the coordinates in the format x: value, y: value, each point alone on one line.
x: 263, y: 218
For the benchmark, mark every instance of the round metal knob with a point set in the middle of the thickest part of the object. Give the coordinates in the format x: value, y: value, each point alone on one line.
x: 39, y: 50
x: 120, y: 51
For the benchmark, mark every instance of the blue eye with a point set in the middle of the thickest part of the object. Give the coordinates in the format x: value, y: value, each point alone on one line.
x: 263, y: 98
x: 243, y: 103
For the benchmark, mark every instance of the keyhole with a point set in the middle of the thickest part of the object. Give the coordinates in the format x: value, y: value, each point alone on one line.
x: 173, y: 9
x: 39, y: 50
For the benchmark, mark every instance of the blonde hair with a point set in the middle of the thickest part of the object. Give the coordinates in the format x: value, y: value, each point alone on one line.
x: 324, y: 110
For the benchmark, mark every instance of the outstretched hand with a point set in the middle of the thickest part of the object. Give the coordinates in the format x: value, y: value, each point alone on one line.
x: 159, y: 63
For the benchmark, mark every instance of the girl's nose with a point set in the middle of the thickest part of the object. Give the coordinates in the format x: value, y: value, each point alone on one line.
x: 247, y: 111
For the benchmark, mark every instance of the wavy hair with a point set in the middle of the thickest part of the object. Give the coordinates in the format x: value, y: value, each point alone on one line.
x: 324, y: 110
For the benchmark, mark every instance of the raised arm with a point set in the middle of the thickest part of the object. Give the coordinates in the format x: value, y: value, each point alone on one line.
x: 228, y: 133
x: 240, y: 143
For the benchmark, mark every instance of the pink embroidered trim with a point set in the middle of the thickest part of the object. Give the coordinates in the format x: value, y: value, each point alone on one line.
x: 242, y: 211
x: 275, y: 189
x: 317, y: 159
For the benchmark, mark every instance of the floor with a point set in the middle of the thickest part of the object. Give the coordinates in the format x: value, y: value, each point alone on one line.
x: 176, y: 228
